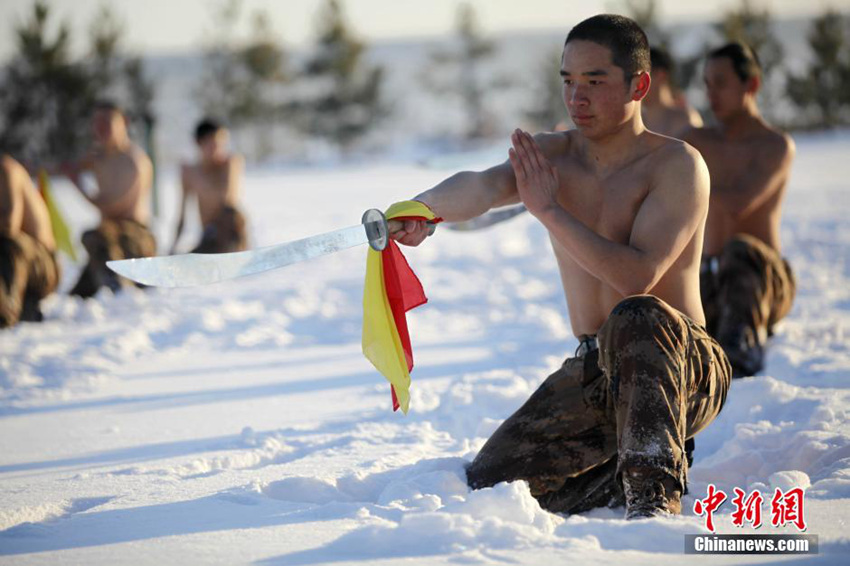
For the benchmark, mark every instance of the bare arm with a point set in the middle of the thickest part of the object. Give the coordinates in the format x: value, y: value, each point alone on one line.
x: 463, y: 196
x: 235, y: 170
x: 11, y: 202
x: 768, y: 175
x: 73, y: 170
x: 678, y: 202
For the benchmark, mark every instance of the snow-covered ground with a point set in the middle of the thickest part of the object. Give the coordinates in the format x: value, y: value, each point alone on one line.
x: 239, y: 423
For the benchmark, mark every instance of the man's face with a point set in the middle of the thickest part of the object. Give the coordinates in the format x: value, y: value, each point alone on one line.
x: 596, y: 93
x: 106, y: 125
x: 213, y: 145
x: 726, y: 91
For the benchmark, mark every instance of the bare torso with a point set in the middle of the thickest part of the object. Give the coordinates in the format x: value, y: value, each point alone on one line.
x: 734, y: 164
x: 216, y: 185
x: 124, y: 178
x: 608, y: 205
x: 26, y: 209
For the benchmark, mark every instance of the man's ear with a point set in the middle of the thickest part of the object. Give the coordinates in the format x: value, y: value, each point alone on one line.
x: 642, y: 87
x: 753, y: 85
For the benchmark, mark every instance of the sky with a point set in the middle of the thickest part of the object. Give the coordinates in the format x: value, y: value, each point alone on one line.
x: 168, y: 26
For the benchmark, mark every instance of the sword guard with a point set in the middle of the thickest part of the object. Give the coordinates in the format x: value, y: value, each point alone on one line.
x: 376, y: 229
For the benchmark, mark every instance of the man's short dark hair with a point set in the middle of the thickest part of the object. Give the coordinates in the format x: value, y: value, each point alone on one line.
x: 661, y: 60
x: 108, y: 105
x: 206, y: 127
x: 744, y: 60
x: 623, y: 36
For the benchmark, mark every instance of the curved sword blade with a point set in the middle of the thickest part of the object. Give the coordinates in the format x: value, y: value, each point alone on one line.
x: 188, y: 270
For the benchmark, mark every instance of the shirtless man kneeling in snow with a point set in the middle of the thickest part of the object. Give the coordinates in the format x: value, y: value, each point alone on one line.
x: 746, y: 285
x: 216, y: 181
x: 662, y: 110
x: 124, y: 175
x: 28, y: 268
x: 625, y: 209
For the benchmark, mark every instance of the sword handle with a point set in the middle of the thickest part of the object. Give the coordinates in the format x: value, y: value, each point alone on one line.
x: 396, y: 225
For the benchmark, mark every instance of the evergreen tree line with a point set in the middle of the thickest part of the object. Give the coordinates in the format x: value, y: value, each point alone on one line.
x: 334, y: 93
x: 46, y: 94
x: 820, y: 94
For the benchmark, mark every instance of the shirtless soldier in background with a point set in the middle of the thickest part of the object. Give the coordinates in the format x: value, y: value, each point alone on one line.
x: 216, y: 181
x: 124, y: 175
x: 28, y: 268
x: 625, y: 210
x: 746, y: 285
x: 663, y: 111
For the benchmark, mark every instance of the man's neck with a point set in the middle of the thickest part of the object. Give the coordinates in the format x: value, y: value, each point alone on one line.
x: 216, y: 160
x: 742, y: 123
x: 616, y: 148
x: 116, y: 145
x: 660, y: 96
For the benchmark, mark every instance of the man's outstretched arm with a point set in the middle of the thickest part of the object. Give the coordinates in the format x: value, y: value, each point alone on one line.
x: 463, y: 196
x: 665, y: 222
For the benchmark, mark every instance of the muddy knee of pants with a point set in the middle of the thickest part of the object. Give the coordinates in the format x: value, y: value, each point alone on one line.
x: 642, y: 346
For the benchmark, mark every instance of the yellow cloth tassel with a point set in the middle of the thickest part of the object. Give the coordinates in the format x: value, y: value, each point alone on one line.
x: 382, y: 344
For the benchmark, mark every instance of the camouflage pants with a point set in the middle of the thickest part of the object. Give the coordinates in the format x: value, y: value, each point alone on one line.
x: 747, y: 283
x: 28, y: 273
x: 113, y: 239
x: 224, y: 234
x: 656, y: 380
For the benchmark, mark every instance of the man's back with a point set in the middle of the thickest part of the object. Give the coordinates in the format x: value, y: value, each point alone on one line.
x: 611, y: 203
x: 749, y: 176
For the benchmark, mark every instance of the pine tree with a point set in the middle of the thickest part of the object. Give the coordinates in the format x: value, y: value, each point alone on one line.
x: 241, y: 78
x: 754, y: 27
x: 262, y: 70
x: 105, y: 32
x: 824, y: 85
x: 549, y: 110
x: 343, y: 99
x: 117, y: 76
x: 457, y: 73
x: 645, y: 13
x: 219, y: 85
x: 44, y: 95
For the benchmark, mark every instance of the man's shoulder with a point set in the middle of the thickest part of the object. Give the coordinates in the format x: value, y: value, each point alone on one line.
x: 701, y: 135
x: 777, y: 143
x: 668, y: 151
x: 8, y: 167
x: 138, y: 155
x: 554, y: 143
x: 677, y: 164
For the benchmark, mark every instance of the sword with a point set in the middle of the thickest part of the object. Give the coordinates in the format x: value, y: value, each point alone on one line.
x: 187, y: 270
x: 486, y: 220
